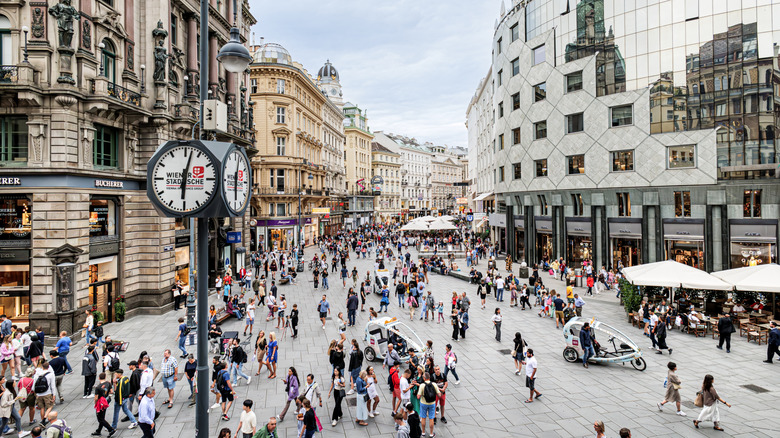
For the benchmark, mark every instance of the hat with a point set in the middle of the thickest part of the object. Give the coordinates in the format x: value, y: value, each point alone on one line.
x: 133, y: 363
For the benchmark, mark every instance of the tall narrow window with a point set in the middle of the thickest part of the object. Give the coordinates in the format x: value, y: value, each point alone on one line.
x: 515, y: 66
x: 515, y: 33
x: 576, y: 202
x: 576, y: 164
x: 752, y: 204
x: 540, y: 130
x: 622, y: 161
x: 624, y: 204
x: 13, y: 140
x: 499, y: 76
x: 682, y: 204
x: 280, y: 86
x: 540, y: 92
x: 108, y: 58
x: 542, y: 205
x: 104, y: 147
x: 500, y: 109
x: 501, y: 142
x: 280, y: 145
x: 517, y: 172
x: 280, y: 114
x: 515, y: 101
x: 539, y: 55
x: 174, y: 28
x: 516, y: 136
x: 498, y: 45
x: 501, y: 174
x: 253, y: 83
x: 541, y: 167
x: 280, y: 181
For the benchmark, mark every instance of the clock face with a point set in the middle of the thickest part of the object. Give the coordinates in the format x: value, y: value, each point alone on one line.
x: 184, y: 179
x: 333, y: 91
x: 235, y: 181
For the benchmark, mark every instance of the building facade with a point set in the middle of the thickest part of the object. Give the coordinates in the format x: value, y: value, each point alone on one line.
x: 333, y: 152
x: 446, y: 172
x: 289, y: 173
x: 628, y: 134
x: 359, y: 205
x: 479, y: 122
x: 386, y: 183
x: 81, y: 115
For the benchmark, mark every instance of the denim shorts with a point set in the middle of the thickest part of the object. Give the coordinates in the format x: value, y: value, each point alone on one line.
x: 168, y: 382
x: 427, y: 411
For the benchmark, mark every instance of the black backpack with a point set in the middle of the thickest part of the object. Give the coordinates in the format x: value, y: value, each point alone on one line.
x: 113, y: 363
x: 429, y: 393
x: 222, y: 381
x: 41, y: 384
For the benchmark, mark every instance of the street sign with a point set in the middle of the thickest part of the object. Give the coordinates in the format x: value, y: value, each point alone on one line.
x: 234, y: 237
x: 167, y: 248
x: 320, y: 210
x: 469, y: 217
x: 462, y: 200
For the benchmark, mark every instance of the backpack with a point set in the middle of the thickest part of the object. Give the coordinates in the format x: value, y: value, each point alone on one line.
x: 113, y: 363
x: 390, y: 382
x: 429, y: 393
x: 222, y: 381
x: 65, y: 431
x: 41, y: 384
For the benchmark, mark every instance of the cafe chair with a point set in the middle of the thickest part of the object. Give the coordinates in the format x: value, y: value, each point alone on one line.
x: 743, y: 326
x: 757, y: 333
x: 696, y: 329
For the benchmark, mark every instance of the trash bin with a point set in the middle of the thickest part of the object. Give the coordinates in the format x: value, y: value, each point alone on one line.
x: 578, y: 277
x: 300, y: 266
x: 523, y: 272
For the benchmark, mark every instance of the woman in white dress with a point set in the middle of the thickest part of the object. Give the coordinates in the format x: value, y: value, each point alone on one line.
x: 373, y: 394
x: 710, y: 400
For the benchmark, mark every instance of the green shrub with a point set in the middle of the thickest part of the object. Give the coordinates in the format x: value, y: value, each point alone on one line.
x: 631, y: 296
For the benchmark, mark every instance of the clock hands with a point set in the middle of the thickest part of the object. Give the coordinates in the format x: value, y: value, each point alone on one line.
x: 235, y: 187
x: 185, y: 174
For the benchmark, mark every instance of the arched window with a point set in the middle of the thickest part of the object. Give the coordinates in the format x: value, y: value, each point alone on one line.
x: 108, y: 58
x: 6, y: 46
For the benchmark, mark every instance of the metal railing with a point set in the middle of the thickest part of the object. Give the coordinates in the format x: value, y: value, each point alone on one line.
x: 277, y: 191
x: 123, y: 94
x: 9, y: 74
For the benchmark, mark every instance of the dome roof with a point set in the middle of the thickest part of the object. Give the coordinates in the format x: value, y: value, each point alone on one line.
x: 327, y: 73
x: 272, y: 53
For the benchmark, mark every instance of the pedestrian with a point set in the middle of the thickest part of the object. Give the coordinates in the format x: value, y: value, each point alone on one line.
x: 291, y: 388
x: 337, y: 387
x: 261, y: 345
x: 63, y: 348
x: 324, y: 308
x: 238, y: 358
x: 401, y: 427
x: 190, y: 369
x: 361, y: 414
x: 774, y: 342
x: 250, y: 317
x: 25, y: 386
x: 169, y: 369
x: 247, y: 423
x: 586, y: 343
x: 598, y: 425
x: 309, y: 421
x: 355, y: 365
x: 497, y: 323
x: 531, y: 366
x: 625, y: 433
x: 122, y: 397
x: 427, y: 394
x: 89, y: 370
x: 672, y: 389
x: 391, y: 357
x: 146, y: 412
x: 373, y: 393
x: 272, y: 355
x: 578, y: 303
x: 517, y: 353
x: 440, y: 379
x: 226, y: 390
x: 710, y: 399
x: 294, y: 315
x: 268, y: 431
x: 559, y: 305
x: 725, y: 329
x: 455, y: 324
x: 463, y: 320
x: 147, y: 377
x: 352, y: 305
x: 660, y: 335
x: 451, y: 363
x: 312, y: 390
x: 7, y: 400
x: 101, y: 406
x: 440, y: 312
x: 111, y: 361
x: 342, y: 327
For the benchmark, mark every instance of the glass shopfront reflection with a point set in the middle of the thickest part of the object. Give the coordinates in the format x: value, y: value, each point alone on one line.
x: 579, y: 245
x: 684, y: 241
x: 752, y: 242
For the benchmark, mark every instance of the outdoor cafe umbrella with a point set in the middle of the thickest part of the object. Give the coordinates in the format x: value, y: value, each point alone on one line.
x: 415, y: 226
x: 441, y: 225
x: 759, y: 278
x: 669, y: 273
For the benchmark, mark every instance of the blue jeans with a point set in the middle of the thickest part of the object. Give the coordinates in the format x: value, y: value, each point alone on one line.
x: 64, y: 355
x: 401, y: 300
x: 588, y: 352
x: 325, y: 283
x: 351, y: 316
x: 182, y: 339
x: 125, y: 406
x: 383, y: 305
x: 192, y: 386
x: 448, y: 370
x: 500, y: 294
x: 235, y: 369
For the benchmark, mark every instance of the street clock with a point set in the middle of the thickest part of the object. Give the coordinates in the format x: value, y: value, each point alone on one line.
x: 235, y: 181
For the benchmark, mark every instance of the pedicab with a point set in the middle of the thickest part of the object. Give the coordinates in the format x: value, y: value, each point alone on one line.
x: 381, y: 279
x: 380, y: 331
x: 617, y: 347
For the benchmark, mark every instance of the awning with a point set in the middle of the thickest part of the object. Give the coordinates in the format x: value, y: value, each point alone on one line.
x: 669, y: 273
x: 483, y: 196
x: 100, y: 260
x: 760, y: 278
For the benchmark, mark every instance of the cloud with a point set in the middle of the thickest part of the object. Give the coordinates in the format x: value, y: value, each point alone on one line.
x: 414, y: 65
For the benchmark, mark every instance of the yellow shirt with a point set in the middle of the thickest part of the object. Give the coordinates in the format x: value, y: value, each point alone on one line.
x: 569, y: 292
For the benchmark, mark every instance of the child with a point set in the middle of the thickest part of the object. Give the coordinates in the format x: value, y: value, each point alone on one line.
x: 543, y: 305
x: 440, y: 311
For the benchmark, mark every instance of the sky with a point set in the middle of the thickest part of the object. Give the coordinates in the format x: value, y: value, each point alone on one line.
x: 413, y: 64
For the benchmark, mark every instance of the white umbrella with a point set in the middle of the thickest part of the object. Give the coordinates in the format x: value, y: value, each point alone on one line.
x: 669, y: 273
x: 427, y: 218
x: 442, y: 225
x: 759, y: 278
x: 415, y: 226
x: 447, y: 218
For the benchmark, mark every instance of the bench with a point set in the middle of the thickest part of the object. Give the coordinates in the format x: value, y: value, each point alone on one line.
x: 460, y: 275
x: 221, y: 315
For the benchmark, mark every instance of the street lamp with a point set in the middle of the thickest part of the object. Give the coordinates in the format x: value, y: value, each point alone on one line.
x: 101, y: 46
x: 233, y: 55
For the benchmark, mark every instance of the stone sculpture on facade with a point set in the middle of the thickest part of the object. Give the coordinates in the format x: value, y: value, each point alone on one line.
x: 65, y: 15
x: 160, y: 64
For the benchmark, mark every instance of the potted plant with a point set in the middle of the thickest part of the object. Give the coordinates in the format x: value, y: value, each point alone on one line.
x: 630, y: 295
x: 120, y: 307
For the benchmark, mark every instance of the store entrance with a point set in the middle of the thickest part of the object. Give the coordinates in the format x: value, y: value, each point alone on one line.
x: 101, y: 295
x: 544, y: 247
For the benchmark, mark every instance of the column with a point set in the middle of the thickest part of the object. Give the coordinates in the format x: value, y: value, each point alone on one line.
x: 213, y: 67
x: 192, y: 53
x: 233, y: 105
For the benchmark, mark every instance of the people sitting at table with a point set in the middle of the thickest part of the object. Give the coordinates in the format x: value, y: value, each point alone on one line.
x: 757, y: 306
x: 738, y: 308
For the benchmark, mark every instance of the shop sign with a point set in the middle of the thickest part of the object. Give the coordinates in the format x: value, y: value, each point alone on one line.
x: 167, y: 248
x: 462, y: 201
x: 544, y: 225
x: 321, y: 210
x: 281, y: 222
x: 182, y: 256
x: 234, y: 237
x: 182, y: 240
x: 14, y: 255
x: 631, y: 230
x: 469, y: 218
x: 10, y: 181
x: 578, y: 228
x: 754, y: 232
x: 101, y: 249
x: 111, y: 184
x: 519, y: 223
x: 683, y: 231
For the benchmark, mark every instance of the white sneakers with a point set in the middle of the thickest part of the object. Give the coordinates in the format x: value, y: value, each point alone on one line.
x: 333, y: 423
x: 249, y: 380
x: 371, y: 414
x: 351, y: 391
x: 214, y: 406
x: 682, y: 414
x: 457, y: 382
x: 660, y: 407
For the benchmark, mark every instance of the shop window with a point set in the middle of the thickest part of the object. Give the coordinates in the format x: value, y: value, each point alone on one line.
x: 280, y: 146
x: 574, y: 123
x: 622, y: 161
x: 501, y: 142
x: 516, y: 136
x: 15, y: 218
x: 752, y: 203
x: 574, y: 82
x: 280, y: 111
x: 622, y: 115
x: 538, y: 55
x: 540, y: 130
x: 540, y: 92
x: 682, y: 204
x: 500, y: 109
x: 13, y: 140
x: 515, y: 101
x: 681, y: 157
x: 105, y: 148
x: 517, y: 171
x: 102, y: 218
x: 515, y: 66
x: 542, y: 205
x: 541, y: 167
x: 515, y: 32
x: 501, y: 174
x: 576, y: 164
x: 624, y: 204
x: 576, y: 202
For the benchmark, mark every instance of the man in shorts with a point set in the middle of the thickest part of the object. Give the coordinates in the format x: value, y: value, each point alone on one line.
x: 530, y: 375
x: 441, y: 381
x: 559, y: 305
x: 45, y: 399
x: 324, y: 309
x: 169, y: 369
x: 427, y: 405
x: 225, y: 389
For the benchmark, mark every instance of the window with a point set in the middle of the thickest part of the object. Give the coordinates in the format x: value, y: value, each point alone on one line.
x: 516, y: 136
x: 541, y: 167
x: 498, y: 45
x: 280, y: 114
x: 501, y: 174
x: 515, y: 32
x: 280, y: 86
x: 681, y: 157
x: 517, y: 171
x: 540, y: 130
x: 102, y: 218
x: 498, y: 76
x: 501, y: 142
x: 542, y: 205
x: 752, y: 204
x: 624, y: 204
x: 622, y: 115
x: 574, y: 82
x: 540, y: 91
x: 576, y: 164
x: 682, y: 204
x: 254, y: 85
x: 515, y: 101
x: 279, y: 183
x: 15, y: 224
x: 576, y: 202
x: 574, y: 123
x: 280, y: 145
x: 515, y: 66
x: 539, y: 55
x: 174, y: 25
x: 105, y: 146
x: 622, y: 161
x: 108, y: 58
x: 500, y: 109
x: 13, y: 139
x: 280, y: 209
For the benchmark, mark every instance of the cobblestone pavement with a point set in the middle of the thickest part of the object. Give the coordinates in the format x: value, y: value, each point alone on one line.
x: 489, y: 400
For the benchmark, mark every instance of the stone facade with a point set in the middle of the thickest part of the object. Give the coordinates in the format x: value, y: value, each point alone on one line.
x: 386, y: 164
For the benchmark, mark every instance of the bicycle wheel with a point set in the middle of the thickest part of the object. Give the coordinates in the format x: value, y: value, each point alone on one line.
x: 639, y: 363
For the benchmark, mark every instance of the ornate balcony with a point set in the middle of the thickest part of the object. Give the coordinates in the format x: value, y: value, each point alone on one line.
x: 9, y: 74
x: 124, y: 94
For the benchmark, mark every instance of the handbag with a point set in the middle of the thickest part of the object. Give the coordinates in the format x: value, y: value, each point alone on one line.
x: 514, y: 353
x: 699, y: 402
x: 366, y: 398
